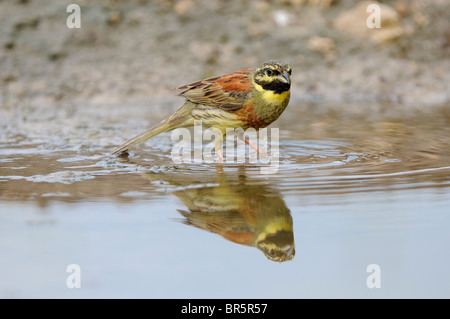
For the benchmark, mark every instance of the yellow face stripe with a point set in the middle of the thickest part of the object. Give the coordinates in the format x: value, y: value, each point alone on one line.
x: 272, y: 228
x: 270, y: 96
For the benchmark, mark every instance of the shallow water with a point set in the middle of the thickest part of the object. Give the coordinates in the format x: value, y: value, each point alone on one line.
x: 350, y: 191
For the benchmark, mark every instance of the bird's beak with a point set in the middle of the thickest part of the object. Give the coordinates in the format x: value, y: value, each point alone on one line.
x: 284, y: 77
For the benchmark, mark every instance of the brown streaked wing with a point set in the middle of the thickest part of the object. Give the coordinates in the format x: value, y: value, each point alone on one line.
x: 228, y: 91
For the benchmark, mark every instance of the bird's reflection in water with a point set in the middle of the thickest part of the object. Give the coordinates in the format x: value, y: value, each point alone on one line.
x: 246, y: 215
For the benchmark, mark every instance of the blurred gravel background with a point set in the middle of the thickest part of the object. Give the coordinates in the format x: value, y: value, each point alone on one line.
x: 131, y: 52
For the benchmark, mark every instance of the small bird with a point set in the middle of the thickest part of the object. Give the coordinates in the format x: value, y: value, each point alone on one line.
x: 249, y: 215
x: 237, y: 207
x: 247, y: 98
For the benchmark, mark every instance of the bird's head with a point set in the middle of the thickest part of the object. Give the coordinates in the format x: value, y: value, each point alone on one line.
x: 278, y: 246
x: 274, y: 77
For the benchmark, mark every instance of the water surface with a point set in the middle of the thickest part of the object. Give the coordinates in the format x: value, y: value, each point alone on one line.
x: 350, y: 191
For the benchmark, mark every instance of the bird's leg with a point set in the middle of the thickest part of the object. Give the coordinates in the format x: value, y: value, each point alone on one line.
x: 218, y: 145
x: 220, y: 153
x: 219, y: 169
x: 251, y: 145
x: 256, y: 148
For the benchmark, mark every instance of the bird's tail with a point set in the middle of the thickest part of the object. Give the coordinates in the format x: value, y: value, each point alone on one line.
x: 180, y: 118
x: 162, y: 127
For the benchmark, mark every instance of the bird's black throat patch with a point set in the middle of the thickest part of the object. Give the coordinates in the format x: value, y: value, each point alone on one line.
x: 275, y: 86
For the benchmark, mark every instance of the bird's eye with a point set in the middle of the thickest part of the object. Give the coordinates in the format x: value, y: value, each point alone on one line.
x: 269, y: 72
